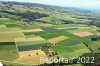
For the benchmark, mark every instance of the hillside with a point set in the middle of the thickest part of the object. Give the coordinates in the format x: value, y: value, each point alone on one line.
x: 32, y: 12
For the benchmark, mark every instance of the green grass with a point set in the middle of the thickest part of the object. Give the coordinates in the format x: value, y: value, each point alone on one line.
x: 69, y: 42
x: 95, y: 46
x: 8, y: 52
x: 50, y: 36
x: 71, y: 51
x: 31, y: 43
x: 29, y: 36
x: 35, y: 33
x: 12, y: 25
x: 51, y: 30
x: 84, y: 40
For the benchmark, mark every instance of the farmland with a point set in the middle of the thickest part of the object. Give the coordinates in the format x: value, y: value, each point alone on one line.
x: 66, y: 44
x: 45, y: 33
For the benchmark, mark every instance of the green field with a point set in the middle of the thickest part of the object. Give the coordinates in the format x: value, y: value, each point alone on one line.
x: 10, y: 54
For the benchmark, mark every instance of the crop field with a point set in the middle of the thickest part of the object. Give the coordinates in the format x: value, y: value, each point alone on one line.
x: 68, y: 51
x: 95, y: 47
x: 69, y: 42
x: 57, y: 39
x: 10, y: 54
x: 27, y: 44
x: 30, y: 57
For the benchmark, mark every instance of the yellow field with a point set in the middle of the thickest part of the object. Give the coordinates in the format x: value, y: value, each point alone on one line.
x: 4, y: 18
x: 18, y: 34
x: 5, y: 35
x: 14, y: 28
x: 29, y: 39
x: 30, y: 57
x: 33, y: 30
x: 31, y: 53
x: 6, y: 40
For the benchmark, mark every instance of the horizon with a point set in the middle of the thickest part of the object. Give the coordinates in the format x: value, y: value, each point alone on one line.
x: 90, y: 4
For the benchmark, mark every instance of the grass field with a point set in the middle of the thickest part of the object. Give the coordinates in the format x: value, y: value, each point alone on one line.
x: 70, y: 51
x: 10, y: 54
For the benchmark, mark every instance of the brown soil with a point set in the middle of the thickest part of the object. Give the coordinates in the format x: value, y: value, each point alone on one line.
x: 57, y: 39
x: 82, y: 34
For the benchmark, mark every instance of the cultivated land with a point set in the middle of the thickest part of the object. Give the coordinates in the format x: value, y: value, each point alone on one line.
x: 46, y: 33
x: 25, y: 49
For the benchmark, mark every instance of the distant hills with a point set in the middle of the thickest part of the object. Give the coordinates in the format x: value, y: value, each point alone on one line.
x: 33, y: 12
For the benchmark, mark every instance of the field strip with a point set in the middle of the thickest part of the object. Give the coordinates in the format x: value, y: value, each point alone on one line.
x: 82, y: 34
x: 98, y: 34
x: 2, y: 26
x: 57, y: 39
x: 14, y: 62
x: 33, y: 53
x: 32, y: 30
x: 11, y: 31
x: 31, y: 57
x: 30, y: 60
x: 29, y: 39
x: 7, y: 40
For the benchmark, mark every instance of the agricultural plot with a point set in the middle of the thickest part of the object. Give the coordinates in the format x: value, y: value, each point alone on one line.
x: 9, y: 36
x: 95, y: 47
x: 69, y: 42
x: 8, y: 51
x: 17, y: 34
x: 6, y: 37
x: 2, y: 26
x: 83, y: 34
x: 37, y: 38
x: 66, y: 40
x: 14, y: 28
x: 12, y: 25
x: 35, y: 33
x: 31, y: 57
x: 86, y: 41
x: 71, y: 51
x: 92, y: 36
x: 57, y: 39
x: 84, y: 29
x: 67, y: 29
x: 51, y: 30
x: 25, y: 46
x: 51, y: 35
x: 33, y: 30
x: 32, y: 53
